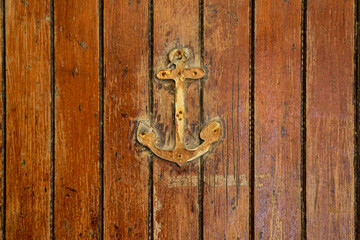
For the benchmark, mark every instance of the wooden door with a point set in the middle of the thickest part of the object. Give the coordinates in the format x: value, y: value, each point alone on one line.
x: 77, y: 78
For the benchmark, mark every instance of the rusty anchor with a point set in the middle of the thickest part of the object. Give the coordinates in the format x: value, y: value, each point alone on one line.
x: 210, y: 134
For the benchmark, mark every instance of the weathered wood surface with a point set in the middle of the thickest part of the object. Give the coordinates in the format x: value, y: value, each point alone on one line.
x: 330, y: 120
x: 126, y: 101
x: 277, y: 120
x: 226, y: 95
x: 28, y: 120
x: 128, y: 178
x: 76, y: 119
x: 176, y: 25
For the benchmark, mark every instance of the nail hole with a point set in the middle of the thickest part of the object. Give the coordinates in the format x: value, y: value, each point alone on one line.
x: 163, y: 74
x: 143, y: 134
x: 179, y: 156
x: 215, y: 131
x: 180, y: 112
x: 179, y: 73
x: 195, y: 73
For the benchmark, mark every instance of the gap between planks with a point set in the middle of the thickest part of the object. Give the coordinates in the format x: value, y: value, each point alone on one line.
x: 151, y: 116
x: 252, y: 119
x: 101, y: 118
x: 303, y: 117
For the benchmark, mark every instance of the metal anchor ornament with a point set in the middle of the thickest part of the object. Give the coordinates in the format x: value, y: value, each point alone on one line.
x: 212, y: 131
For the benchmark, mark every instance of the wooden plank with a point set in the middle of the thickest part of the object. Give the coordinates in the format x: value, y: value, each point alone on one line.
x: 176, y: 25
x: 277, y: 119
x: 76, y: 119
x: 28, y: 119
x: 226, y: 95
x: 126, y: 101
x: 330, y: 120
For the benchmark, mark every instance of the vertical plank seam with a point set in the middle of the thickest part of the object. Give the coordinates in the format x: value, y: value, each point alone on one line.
x: 251, y: 119
x: 151, y: 116
x: 52, y: 121
x: 356, y: 123
x: 201, y: 120
x: 101, y: 118
x: 303, y: 117
x: 3, y: 127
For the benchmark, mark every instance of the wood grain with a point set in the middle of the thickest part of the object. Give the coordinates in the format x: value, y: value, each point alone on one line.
x: 76, y: 119
x: 277, y: 120
x: 330, y: 120
x: 126, y: 102
x: 226, y: 95
x: 176, y: 25
x: 28, y: 119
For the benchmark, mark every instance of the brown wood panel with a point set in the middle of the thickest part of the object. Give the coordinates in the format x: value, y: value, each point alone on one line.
x: 330, y: 120
x: 76, y: 119
x: 28, y: 119
x: 176, y: 25
x: 226, y: 95
x: 126, y: 169
x: 277, y: 119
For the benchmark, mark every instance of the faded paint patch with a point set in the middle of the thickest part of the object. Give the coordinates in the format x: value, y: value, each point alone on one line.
x: 261, y: 178
x: 82, y: 44
x: 157, y: 207
x: 276, y: 226
x: 25, y: 3
x: 220, y: 181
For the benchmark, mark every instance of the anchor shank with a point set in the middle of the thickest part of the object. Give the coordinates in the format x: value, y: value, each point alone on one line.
x: 180, y: 111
